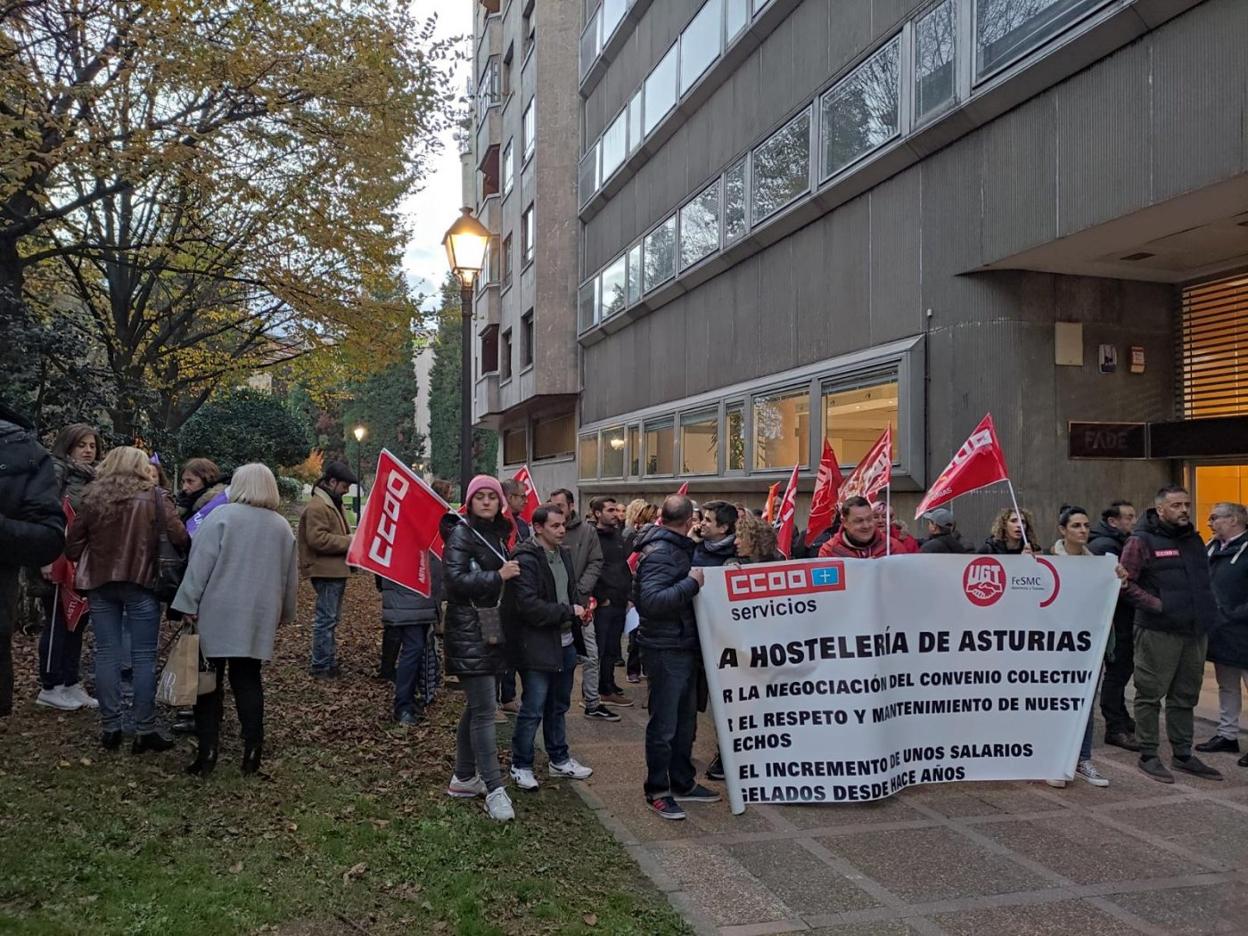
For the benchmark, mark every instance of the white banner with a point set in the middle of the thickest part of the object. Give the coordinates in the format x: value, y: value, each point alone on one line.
x: 837, y: 681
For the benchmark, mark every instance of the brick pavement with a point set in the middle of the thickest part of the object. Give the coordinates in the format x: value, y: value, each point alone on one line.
x: 970, y: 858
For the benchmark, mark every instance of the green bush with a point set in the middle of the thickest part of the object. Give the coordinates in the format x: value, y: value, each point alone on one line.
x: 291, y: 489
x: 244, y: 426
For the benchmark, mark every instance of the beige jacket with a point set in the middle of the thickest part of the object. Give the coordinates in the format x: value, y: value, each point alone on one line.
x: 323, y: 538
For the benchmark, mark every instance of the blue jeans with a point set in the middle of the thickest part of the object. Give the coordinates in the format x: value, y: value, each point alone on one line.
x: 325, y: 622
x: 118, y: 610
x: 546, y: 699
x: 673, y: 676
x: 411, y: 659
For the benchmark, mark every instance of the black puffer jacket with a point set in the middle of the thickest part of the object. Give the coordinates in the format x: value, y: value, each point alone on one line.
x: 1105, y: 540
x: 400, y: 606
x: 471, y: 579
x: 616, y: 580
x: 949, y: 542
x: 534, y: 615
x: 1228, y: 569
x: 663, y: 591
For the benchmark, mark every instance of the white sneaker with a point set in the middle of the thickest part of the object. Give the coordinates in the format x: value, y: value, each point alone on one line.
x: 523, y: 776
x: 1056, y: 784
x: 76, y: 691
x: 570, y: 768
x: 466, y: 789
x: 1087, y: 771
x: 498, y: 806
x: 58, y: 698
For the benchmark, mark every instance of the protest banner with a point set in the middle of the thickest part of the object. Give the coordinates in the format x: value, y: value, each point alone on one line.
x: 399, y: 527
x: 836, y: 681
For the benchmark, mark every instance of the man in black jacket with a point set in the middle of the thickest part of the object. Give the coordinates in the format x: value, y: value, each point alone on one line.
x: 718, y: 543
x: 544, y: 617
x: 1228, y: 642
x: 611, y: 592
x: 1108, y: 539
x: 942, y: 533
x: 32, y: 526
x: 663, y: 592
x: 1168, y: 583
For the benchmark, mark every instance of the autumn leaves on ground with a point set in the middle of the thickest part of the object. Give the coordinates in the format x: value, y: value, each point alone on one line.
x: 350, y: 831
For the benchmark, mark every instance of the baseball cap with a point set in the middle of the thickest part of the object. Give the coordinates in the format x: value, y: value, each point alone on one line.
x: 941, y: 516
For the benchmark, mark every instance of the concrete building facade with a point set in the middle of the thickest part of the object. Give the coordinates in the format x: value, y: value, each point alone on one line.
x: 802, y: 219
x: 522, y: 186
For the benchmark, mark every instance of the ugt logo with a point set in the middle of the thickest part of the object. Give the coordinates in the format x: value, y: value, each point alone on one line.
x: 984, y: 581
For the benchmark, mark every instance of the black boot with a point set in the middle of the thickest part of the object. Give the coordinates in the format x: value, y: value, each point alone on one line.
x: 251, y: 756
x: 205, y: 760
x: 150, y: 742
x: 111, y: 740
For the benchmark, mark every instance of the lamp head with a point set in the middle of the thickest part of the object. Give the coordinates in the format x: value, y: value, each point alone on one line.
x: 466, y: 242
x: 359, y: 433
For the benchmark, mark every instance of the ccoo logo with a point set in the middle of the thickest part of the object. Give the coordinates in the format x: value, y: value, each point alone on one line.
x: 984, y: 581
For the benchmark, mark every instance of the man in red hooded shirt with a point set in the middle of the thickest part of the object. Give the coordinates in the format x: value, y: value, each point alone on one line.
x: 859, y: 537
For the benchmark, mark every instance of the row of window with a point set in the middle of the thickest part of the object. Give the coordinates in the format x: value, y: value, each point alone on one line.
x: 496, y: 349
x: 711, y: 31
x: 553, y: 437
x: 858, y: 115
x: 765, y: 432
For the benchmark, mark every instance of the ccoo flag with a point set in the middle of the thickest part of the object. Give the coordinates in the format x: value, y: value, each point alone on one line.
x: 787, y: 517
x: 978, y: 463
x: 73, y: 603
x: 399, y: 527
x: 874, y: 473
x: 827, y: 494
x: 524, y: 478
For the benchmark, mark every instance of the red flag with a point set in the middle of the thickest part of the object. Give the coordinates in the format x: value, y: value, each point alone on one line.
x: 683, y: 490
x: 788, y: 515
x: 73, y: 604
x: 769, y: 512
x: 399, y: 527
x: 978, y: 463
x: 531, y: 500
x: 827, y: 493
x: 874, y: 473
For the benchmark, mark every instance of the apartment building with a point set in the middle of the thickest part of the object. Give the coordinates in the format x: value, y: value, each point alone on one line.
x: 521, y: 184
x: 810, y: 219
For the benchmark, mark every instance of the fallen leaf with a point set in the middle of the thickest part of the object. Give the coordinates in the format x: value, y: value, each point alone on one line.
x: 86, y: 762
x: 236, y: 867
x: 591, y: 919
x: 292, y: 827
x: 354, y: 872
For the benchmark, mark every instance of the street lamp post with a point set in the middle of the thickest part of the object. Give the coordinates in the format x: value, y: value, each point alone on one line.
x: 465, y: 244
x: 359, y: 432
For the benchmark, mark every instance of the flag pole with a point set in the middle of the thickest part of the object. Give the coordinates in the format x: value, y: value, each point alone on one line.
x: 888, y: 523
x: 56, y: 606
x: 1022, y: 522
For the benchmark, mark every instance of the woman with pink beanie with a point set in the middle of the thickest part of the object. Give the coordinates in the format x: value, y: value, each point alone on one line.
x: 475, y: 564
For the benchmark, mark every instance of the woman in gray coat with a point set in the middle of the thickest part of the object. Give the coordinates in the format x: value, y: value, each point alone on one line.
x: 240, y: 583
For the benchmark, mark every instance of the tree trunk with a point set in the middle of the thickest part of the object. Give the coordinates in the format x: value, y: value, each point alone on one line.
x: 11, y: 278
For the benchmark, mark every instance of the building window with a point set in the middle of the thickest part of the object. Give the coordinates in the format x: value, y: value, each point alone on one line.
x: 529, y: 27
x: 591, y: 42
x: 508, y: 64
x: 699, y: 443
x: 634, y: 451
x: 613, y: 288
x: 587, y: 305
x: 554, y: 437
x: 781, y: 430
x: 736, y: 17
x: 613, y: 452
x: 699, y: 227
x: 493, y: 265
x: 487, y: 88
x: 735, y: 224
x: 1008, y: 29
x: 660, y: 445
x: 861, y: 113
x: 489, y: 350
x: 526, y: 237
x: 614, y: 145
x: 634, y: 121
x: 734, y: 425
x: 612, y: 12
x: 587, y: 175
x: 660, y: 90
x: 504, y: 356
x: 509, y: 168
x: 855, y: 416
x: 529, y: 129
x: 526, y: 339
x: 780, y: 167
x: 633, y: 292
x: 515, y: 446
x: 587, y: 457
x: 934, y: 48
x: 506, y: 261
x: 660, y: 255
x: 699, y: 43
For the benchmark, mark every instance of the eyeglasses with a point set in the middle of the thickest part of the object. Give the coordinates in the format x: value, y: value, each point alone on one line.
x: 1213, y: 517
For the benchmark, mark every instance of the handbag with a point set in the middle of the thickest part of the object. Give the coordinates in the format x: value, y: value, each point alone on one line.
x: 491, y: 621
x: 170, y: 563
x: 179, y: 680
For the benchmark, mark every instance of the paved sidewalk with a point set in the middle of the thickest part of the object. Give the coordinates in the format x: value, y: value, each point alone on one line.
x: 971, y: 858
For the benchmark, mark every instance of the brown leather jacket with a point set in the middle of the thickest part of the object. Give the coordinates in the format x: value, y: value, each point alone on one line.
x: 122, y: 549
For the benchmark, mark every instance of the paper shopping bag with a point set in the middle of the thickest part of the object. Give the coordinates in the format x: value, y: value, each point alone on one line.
x: 179, y: 681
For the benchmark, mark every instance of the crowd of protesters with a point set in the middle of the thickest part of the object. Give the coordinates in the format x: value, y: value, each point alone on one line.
x: 517, y: 606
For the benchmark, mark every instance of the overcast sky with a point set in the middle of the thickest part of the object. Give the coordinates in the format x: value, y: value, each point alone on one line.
x: 431, y: 210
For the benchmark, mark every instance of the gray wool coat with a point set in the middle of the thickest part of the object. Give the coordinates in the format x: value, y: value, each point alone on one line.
x: 241, y: 580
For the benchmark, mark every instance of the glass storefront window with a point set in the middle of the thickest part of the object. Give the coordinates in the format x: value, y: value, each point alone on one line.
x: 660, y: 447
x: 699, y: 443
x: 734, y: 420
x: 781, y: 430
x: 613, y: 452
x: 587, y: 457
x: 854, y: 418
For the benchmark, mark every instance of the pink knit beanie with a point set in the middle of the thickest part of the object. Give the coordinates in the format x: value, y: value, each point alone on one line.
x: 484, y: 483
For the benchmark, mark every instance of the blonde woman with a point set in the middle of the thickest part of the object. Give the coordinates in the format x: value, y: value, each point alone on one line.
x: 114, y: 542
x: 1010, y: 536
x: 240, y: 583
